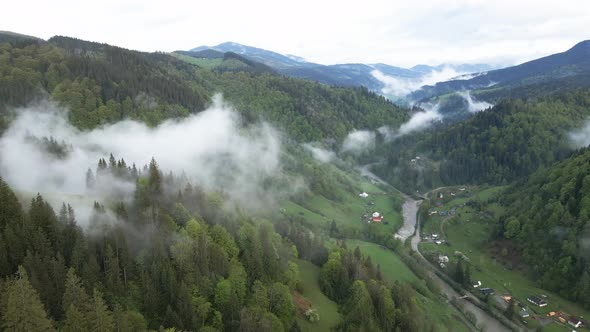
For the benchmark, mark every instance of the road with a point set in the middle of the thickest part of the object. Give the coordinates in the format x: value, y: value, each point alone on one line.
x: 410, y: 214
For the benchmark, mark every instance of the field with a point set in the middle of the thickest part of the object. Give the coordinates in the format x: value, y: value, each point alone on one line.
x: 394, y: 269
x: 469, y: 233
x: 327, y: 309
x: 319, y: 211
x: 391, y: 265
x: 201, y: 62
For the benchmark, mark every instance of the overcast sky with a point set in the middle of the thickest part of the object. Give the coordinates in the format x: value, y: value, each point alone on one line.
x: 401, y: 33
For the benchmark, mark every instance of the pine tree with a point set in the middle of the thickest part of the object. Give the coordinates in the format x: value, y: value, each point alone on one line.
x: 90, y: 179
x: 22, y: 309
x: 100, y: 319
x: 74, y: 294
x: 75, y: 320
x: 459, y: 272
x: 10, y: 208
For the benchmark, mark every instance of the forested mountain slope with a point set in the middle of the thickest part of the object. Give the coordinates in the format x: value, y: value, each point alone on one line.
x: 101, y: 84
x: 573, y: 64
x: 497, y: 146
x: 547, y: 219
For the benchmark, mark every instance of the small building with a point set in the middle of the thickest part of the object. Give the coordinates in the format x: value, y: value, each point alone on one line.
x: 434, y: 236
x: 524, y: 313
x: 438, y: 242
x: 363, y: 195
x: 476, y: 284
x: 443, y: 259
x: 442, y: 213
x: 377, y: 217
x: 486, y: 291
x: 440, y: 195
x: 537, y: 301
x: 575, y: 322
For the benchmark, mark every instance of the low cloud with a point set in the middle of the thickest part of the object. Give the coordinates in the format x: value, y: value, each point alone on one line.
x: 320, y: 154
x: 419, y: 121
x: 212, y: 148
x: 580, y: 138
x: 473, y: 105
x: 358, y: 141
x: 401, y: 87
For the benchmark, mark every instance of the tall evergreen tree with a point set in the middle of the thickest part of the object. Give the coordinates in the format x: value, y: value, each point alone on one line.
x: 22, y: 309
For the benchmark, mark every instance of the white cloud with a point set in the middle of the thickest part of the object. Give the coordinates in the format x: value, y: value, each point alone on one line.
x: 211, y: 147
x: 580, y: 138
x: 358, y: 141
x: 474, y: 105
x: 420, y: 120
x: 320, y: 154
x: 396, y: 32
x: 401, y: 87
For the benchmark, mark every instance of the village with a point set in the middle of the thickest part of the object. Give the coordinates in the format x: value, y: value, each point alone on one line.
x: 535, y: 307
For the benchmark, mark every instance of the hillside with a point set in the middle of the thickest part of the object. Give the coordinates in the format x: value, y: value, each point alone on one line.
x: 349, y: 74
x: 497, y: 146
x: 574, y: 62
x: 103, y: 84
x: 547, y: 220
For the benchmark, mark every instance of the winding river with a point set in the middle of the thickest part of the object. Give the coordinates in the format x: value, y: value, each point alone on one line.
x: 410, y: 214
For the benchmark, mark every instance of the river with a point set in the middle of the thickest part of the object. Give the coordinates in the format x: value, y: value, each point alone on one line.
x: 410, y: 214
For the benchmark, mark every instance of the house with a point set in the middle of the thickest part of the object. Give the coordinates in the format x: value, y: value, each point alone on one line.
x: 442, y: 265
x: 443, y: 259
x: 486, y: 291
x: 377, y: 217
x: 523, y: 313
x: 575, y: 322
x: 442, y: 213
x: 363, y: 195
x: 440, y: 195
x: 434, y: 236
x: 438, y: 242
x: 476, y: 284
x: 537, y: 301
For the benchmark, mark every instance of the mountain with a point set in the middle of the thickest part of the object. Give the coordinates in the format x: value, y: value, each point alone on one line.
x: 462, y: 68
x: 269, y: 58
x: 102, y: 84
x: 497, y: 146
x: 9, y: 36
x: 574, y: 62
x: 350, y: 75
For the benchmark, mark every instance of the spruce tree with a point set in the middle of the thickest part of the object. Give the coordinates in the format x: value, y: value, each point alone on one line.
x: 22, y: 309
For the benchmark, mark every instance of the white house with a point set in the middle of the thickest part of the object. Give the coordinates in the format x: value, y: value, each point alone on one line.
x: 363, y: 195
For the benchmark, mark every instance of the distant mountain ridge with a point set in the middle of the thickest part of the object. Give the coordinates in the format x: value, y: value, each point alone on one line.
x: 350, y: 74
x: 573, y: 63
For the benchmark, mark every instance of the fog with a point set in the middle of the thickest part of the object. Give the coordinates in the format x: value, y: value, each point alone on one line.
x: 473, y: 105
x: 358, y: 141
x: 401, y: 87
x: 419, y: 121
x: 318, y: 153
x: 211, y: 147
x: 580, y: 138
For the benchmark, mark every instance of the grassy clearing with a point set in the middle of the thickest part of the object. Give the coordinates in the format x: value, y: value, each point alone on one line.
x: 327, y: 309
x: 348, y: 211
x: 394, y: 269
x: 201, y: 62
x: 391, y: 265
x: 469, y: 232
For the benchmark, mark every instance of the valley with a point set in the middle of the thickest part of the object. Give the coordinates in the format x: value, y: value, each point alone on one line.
x: 234, y: 188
